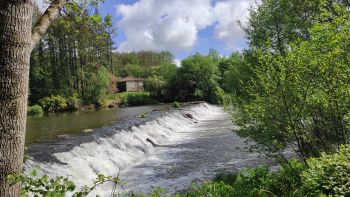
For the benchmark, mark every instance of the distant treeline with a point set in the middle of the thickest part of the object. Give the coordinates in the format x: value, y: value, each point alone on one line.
x: 200, y: 77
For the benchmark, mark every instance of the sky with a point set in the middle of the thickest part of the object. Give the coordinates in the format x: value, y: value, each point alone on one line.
x: 182, y: 27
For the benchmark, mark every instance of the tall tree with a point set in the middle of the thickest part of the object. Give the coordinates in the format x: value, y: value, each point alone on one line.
x: 17, y: 40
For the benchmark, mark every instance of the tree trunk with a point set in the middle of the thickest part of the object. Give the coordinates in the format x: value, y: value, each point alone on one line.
x: 15, y: 49
x: 17, y: 39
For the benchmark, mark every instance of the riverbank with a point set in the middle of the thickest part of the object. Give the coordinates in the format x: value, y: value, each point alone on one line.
x: 58, y: 104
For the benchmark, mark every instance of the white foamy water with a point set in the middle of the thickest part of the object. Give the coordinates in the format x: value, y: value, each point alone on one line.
x: 194, y: 143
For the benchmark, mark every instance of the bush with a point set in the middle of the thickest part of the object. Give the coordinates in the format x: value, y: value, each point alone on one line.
x: 211, y: 189
x: 73, y: 102
x: 176, y: 105
x: 261, y: 182
x: 328, y: 175
x: 34, y: 185
x: 35, y: 110
x: 53, y: 103
x: 217, y: 95
x: 135, y: 98
x: 142, y: 98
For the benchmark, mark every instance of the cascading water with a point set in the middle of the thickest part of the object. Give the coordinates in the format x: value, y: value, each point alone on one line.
x: 170, y: 151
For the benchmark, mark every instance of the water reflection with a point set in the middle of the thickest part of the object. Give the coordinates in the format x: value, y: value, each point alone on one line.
x: 48, y: 127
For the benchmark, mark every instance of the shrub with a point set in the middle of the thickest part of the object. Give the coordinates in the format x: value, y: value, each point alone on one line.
x: 329, y: 174
x: 211, y: 189
x: 135, y: 98
x: 73, y: 102
x: 35, y: 110
x: 217, y: 95
x: 34, y: 185
x: 176, y: 105
x: 141, y: 98
x: 261, y: 182
x: 53, y: 103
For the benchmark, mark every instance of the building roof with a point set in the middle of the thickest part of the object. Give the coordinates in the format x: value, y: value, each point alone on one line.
x: 131, y: 79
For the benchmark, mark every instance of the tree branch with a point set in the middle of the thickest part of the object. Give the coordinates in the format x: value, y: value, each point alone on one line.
x: 44, y: 22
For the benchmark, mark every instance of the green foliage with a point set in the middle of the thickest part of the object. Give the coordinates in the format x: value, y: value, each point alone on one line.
x: 71, y: 58
x: 197, y: 79
x: 217, y: 96
x: 35, y: 110
x: 176, y: 105
x: 135, y: 98
x: 156, y: 85
x: 140, y: 98
x: 300, y: 98
x: 34, y: 185
x: 73, y: 102
x: 53, y: 103
x: 97, y: 87
x: 259, y: 182
x: 143, y: 63
x: 160, y: 81
x: 43, y: 186
x: 211, y: 189
x: 328, y: 175
x: 157, y: 192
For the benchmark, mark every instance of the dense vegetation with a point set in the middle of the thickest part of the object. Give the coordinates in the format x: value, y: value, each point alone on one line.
x: 298, y: 95
x: 73, y: 58
x: 295, y: 90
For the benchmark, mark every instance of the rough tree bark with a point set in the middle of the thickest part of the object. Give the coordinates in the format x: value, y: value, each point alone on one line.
x: 17, y: 39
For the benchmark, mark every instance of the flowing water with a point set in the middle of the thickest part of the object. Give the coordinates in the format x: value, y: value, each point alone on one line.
x: 169, y: 149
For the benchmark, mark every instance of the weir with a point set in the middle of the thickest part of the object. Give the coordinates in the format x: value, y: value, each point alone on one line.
x: 170, y: 149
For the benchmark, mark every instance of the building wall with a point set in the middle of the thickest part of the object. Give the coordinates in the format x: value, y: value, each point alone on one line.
x: 134, y: 86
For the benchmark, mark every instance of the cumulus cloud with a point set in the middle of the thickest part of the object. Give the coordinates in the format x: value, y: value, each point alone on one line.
x: 174, y: 24
x: 163, y: 24
x: 228, y: 13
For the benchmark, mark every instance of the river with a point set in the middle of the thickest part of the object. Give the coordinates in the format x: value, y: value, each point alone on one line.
x: 59, y: 125
x: 191, y: 144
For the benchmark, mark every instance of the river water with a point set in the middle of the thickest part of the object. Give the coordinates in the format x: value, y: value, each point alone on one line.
x: 192, y: 144
x: 59, y: 125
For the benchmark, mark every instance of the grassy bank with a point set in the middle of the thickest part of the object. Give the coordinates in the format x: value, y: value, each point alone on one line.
x: 131, y: 99
x: 59, y: 104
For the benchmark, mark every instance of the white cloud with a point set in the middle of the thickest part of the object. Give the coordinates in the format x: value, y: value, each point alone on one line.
x: 174, y: 24
x: 228, y: 13
x: 163, y: 24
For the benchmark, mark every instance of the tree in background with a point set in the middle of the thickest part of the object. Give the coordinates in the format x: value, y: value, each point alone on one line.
x: 139, y: 64
x: 197, y: 78
x: 66, y: 60
x: 160, y: 80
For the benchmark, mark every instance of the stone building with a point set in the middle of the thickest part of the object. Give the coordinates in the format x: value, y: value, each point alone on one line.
x: 130, y: 84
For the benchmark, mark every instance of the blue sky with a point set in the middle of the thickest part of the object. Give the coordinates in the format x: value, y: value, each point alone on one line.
x: 182, y: 27
x: 147, y: 24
